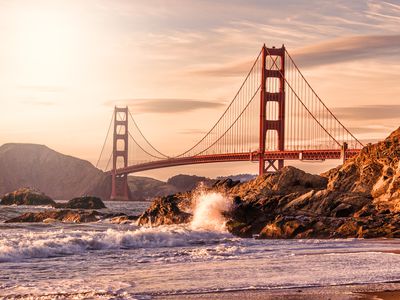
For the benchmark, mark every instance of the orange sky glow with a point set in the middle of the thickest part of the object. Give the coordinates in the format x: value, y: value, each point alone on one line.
x: 64, y: 64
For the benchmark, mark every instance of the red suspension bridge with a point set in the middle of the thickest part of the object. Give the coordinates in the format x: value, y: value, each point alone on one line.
x: 275, y: 116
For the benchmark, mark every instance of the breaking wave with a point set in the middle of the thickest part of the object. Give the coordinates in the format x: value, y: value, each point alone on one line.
x: 208, y: 211
x: 207, y: 227
x: 61, y: 243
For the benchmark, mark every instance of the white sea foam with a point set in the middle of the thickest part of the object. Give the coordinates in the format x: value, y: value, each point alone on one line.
x: 208, y: 211
x: 207, y: 227
x: 60, y: 242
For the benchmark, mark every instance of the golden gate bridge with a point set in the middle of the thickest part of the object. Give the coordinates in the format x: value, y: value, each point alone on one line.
x: 275, y: 116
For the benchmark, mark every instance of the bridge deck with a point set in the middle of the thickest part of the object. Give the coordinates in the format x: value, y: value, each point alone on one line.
x: 304, y: 155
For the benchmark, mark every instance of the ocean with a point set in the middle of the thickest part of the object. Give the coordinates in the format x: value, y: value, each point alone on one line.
x: 123, y: 261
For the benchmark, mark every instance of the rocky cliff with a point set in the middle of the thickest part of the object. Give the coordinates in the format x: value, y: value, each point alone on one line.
x: 361, y: 198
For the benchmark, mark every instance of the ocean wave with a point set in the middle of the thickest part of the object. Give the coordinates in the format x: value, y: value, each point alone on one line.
x: 68, y: 242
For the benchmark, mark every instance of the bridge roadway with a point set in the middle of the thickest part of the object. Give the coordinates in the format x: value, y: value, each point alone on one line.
x: 302, y: 155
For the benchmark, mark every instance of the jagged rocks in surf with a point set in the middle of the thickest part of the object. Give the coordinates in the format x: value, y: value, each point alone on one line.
x: 70, y: 216
x: 27, y: 196
x: 361, y: 198
x: 204, y: 209
x: 167, y: 210
x: 84, y: 202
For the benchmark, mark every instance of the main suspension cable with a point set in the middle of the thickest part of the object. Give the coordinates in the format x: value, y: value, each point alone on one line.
x: 105, y: 141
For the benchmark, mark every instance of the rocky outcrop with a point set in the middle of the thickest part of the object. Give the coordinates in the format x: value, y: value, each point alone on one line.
x: 361, y: 198
x: 31, y: 196
x: 69, y: 216
x: 166, y: 211
x: 27, y: 196
x: 123, y: 219
x: 84, y: 202
x: 72, y: 216
x: 358, y: 199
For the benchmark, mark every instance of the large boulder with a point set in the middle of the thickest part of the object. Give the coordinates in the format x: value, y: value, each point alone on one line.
x: 165, y: 211
x: 27, y: 196
x: 84, y: 202
x: 286, y: 181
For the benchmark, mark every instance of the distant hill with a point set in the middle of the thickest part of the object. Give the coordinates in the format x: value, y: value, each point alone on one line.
x: 240, y: 177
x: 145, y: 188
x: 185, y: 183
x: 64, y: 177
x: 57, y: 175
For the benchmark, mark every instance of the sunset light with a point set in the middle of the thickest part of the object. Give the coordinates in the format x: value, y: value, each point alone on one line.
x: 199, y: 149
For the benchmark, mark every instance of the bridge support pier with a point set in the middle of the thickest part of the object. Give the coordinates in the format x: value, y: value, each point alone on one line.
x: 119, y: 183
x: 272, y: 90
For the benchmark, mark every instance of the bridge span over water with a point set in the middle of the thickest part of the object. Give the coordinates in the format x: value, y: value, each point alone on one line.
x: 274, y: 117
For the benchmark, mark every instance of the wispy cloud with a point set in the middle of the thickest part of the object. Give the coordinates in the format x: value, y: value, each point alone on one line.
x: 167, y: 105
x: 347, y: 49
x: 368, y: 129
x: 231, y: 69
x: 333, y: 51
x: 368, y: 112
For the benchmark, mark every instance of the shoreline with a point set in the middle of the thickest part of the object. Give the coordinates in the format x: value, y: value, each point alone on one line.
x: 369, y: 291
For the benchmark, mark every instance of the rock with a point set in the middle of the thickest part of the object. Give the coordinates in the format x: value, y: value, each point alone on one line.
x: 285, y: 227
x: 361, y: 198
x: 85, y: 202
x: 366, y: 211
x: 69, y: 216
x: 348, y: 229
x: 27, y: 196
x: 239, y: 228
x: 49, y: 220
x: 165, y: 211
x: 226, y: 183
x: 343, y: 210
x: 124, y: 219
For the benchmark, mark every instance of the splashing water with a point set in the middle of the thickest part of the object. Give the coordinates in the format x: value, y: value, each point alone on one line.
x: 207, y: 213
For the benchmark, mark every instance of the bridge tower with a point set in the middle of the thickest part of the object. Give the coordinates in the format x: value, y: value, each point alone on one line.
x: 272, y: 90
x: 119, y: 183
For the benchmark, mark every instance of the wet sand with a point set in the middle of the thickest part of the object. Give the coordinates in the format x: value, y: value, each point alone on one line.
x: 384, y: 291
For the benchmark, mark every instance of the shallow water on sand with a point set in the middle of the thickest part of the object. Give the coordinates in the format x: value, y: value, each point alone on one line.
x: 108, y: 261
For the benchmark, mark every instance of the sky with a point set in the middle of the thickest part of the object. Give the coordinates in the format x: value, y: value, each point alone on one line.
x: 64, y: 64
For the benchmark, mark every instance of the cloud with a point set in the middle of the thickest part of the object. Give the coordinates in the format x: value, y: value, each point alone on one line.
x: 167, y: 105
x: 347, y: 49
x: 368, y: 130
x: 332, y: 51
x: 368, y: 112
x: 233, y: 69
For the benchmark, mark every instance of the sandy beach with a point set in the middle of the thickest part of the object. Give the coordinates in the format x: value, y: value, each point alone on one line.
x: 384, y: 291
